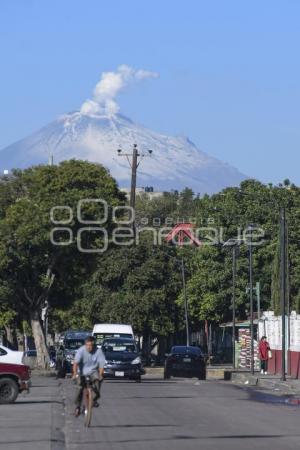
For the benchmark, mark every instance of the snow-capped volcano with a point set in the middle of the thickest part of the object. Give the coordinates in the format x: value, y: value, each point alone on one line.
x: 175, y: 162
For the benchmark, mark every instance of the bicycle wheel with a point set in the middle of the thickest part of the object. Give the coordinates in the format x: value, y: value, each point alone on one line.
x: 88, y: 407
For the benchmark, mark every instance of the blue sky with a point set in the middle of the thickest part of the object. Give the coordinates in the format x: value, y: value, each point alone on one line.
x: 229, y: 71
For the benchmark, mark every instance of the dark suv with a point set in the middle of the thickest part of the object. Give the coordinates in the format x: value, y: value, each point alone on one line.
x: 122, y: 359
x: 185, y: 361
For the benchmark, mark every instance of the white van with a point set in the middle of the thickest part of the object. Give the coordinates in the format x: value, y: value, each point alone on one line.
x: 102, y: 331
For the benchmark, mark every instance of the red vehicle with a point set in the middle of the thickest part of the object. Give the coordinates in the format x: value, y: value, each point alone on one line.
x: 14, y: 378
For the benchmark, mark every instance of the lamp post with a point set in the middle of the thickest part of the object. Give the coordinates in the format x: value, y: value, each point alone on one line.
x: 186, y: 313
x: 250, y: 245
x: 283, y: 288
x: 233, y: 244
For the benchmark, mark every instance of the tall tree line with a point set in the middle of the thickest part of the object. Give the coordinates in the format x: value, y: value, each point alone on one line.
x: 140, y: 283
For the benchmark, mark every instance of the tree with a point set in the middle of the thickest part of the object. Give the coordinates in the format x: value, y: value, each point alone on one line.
x: 138, y: 285
x: 30, y: 263
x: 209, y: 285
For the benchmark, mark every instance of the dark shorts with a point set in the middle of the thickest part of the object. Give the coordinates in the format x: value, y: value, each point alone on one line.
x: 80, y: 387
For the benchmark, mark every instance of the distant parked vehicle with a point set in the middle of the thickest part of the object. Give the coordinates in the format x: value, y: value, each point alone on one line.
x: 30, y: 354
x: 10, y: 356
x: 123, y: 359
x: 73, y: 340
x: 14, y: 378
x: 103, y: 331
x: 185, y: 361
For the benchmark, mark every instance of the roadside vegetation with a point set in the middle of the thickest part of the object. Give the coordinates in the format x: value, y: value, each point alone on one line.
x: 138, y: 284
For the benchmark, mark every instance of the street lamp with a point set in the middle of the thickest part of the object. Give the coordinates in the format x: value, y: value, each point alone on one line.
x: 186, y: 313
x: 250, y: 245
x: 283, y: 258
x: 233, y: 244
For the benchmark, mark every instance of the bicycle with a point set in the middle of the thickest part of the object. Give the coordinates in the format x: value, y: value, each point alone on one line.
x: 87, y: 399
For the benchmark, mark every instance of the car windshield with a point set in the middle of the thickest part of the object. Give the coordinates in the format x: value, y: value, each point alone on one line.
x: 74, y: 344
x: 119, y: 346
x: 100, y: 337
x: 184, y: 350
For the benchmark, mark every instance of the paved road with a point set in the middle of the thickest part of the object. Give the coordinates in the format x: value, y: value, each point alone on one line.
x: 153, y: 415
x: 185, y: 415
x: 35, y: 421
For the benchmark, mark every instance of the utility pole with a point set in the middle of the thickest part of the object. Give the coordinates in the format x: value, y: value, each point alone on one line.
x: 134, y: 164
x: 185, y: 305
x: 233, y: 244
x: 234, y: 248
x: 288, y: 283
x: 283, y: 288
x: 251, y: 299
x: 257, y: 290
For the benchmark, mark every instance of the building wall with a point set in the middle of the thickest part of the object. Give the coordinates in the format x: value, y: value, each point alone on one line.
x: 271, y: 326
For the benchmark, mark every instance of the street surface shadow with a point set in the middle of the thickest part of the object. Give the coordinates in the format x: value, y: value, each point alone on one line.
x: 195, y: 438
x: 134, y: 426
x: 257, y: 395
x: 37, y: 402
x: 154, y: 396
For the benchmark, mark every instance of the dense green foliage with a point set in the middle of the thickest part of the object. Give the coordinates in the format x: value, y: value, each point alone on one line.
x: 141, y: 283
x: 32, y: 269
x: 137, y: 285
x: 119, y: 289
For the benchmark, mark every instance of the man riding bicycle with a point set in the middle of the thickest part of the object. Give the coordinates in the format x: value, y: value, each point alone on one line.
x: 89, y: 361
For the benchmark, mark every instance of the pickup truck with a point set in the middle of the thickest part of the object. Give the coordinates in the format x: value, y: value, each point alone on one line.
x: 14, y: 378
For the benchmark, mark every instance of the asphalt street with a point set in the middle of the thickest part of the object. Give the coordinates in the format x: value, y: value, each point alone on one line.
x: 154, y: 415
x: 36, y: 420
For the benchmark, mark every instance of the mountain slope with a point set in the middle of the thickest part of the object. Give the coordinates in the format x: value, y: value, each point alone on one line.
x: 175, y: 162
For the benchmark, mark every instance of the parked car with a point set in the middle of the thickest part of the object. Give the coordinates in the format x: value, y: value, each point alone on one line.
x: 185, y: 361
x: 14, y: 378
x: 123, y: 359
x: 10, y: 356
x: 73, y: 340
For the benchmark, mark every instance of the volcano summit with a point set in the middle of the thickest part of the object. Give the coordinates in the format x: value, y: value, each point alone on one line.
x: 176, y: 162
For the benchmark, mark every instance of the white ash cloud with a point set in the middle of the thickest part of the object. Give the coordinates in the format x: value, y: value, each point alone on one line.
x: 108, y: 88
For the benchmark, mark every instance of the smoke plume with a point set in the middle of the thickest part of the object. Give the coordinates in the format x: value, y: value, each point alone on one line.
x: 108, y: 88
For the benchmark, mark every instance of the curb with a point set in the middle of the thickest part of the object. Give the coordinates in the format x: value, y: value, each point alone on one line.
x: 213, y: 373
x: 58, y: 422
x: 154, y: 371
x: 43, y: 373
x: 271, y: 383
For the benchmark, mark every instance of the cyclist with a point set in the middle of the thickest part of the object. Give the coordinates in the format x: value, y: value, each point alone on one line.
x: 89, y: 361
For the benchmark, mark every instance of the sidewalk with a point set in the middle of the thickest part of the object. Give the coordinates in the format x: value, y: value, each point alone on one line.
x: 265, y: 382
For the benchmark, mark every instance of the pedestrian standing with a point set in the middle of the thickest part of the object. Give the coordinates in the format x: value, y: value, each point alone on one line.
x: 264, y: 352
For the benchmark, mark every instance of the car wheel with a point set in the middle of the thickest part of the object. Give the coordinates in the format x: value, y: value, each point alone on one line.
x: 139, y: 379
x: 202, y: 376
x: 167, y: 376
x: 9, y: 390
